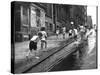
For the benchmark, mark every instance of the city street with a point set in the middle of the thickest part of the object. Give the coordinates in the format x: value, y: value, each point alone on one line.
x: 64, y: 60
x: 52, y: 37
x: 21, y: 50
x: 72, y: 63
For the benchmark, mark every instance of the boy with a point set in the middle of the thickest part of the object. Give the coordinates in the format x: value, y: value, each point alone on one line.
x: 75, y: 34
x: 64, y: 32
x: 43, y: 37
x: 70, y: 32
x: 57, y: 33
x: 33, y: 44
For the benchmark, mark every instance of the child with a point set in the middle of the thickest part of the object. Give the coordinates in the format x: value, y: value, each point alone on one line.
x: 64, y: 32
x: 43, y: 38
x: 57, y: 33
x: 33, y: 45
x: 70, y: 32
x: 75, y: 34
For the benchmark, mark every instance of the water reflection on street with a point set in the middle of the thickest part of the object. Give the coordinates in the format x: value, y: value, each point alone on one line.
x: 86, y: 62
x: 69, y: 63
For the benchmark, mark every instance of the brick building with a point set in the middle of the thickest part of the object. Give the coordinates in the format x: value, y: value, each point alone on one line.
x: 89, y: 21
x: 78, y: 14
x: 27, y: 18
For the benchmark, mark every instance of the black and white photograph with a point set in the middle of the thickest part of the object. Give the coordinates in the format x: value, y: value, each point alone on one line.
x: 52, y: 37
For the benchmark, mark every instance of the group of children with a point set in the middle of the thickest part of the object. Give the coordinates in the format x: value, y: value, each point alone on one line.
x: 73, y: 32
x: 40, y: 36
x: 63, y: 32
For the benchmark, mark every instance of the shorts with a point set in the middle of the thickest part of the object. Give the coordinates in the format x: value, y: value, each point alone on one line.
x: 43, y: 41
x: 75, y: 36
x: 33, y: 45
x: 70, y: 34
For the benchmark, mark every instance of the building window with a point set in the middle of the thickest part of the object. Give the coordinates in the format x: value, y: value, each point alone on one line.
x: 38, y: 22
x: 25, y: 15
x: 17, y: 18
x: 25, y: 29
x: 38, y: 12
x: 46, y: 24
x: 50, y: 27
x: 38, y: 17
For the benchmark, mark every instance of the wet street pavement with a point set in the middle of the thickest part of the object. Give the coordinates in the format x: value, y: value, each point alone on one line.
x: 72, y: 63
x: 70, y: 60
x: 21, y: 49
x: 69, y: 63
x: 88, y: 61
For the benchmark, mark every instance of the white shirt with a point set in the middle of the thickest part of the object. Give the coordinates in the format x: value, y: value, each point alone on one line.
x: 64, y: 29
x: 75, y: 31
x: 44, y: 35
x: 70, y: 31
x: 91, y: 40
x: 34, y: 38
x: 91, y: 33
x: 57, y: 31
x: 82, y: 29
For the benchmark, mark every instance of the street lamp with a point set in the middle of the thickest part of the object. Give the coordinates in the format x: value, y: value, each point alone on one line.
x: 72, y: 22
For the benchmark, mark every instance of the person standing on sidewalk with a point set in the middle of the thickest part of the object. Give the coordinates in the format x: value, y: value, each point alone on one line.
x: 75, y: 34
x: 43, y: 38
x: 82, y: 32
x: 64, y: 32
x: 70, y: 32
x: 57, y: 33
x: 82, y: 42
x: 91, y: 36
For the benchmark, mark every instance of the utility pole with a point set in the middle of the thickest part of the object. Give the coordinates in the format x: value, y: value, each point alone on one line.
x: 54, y: 16
x: 96, y: 17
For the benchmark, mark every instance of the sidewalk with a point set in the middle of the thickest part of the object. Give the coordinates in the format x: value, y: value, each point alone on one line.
x: 21, y: 50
